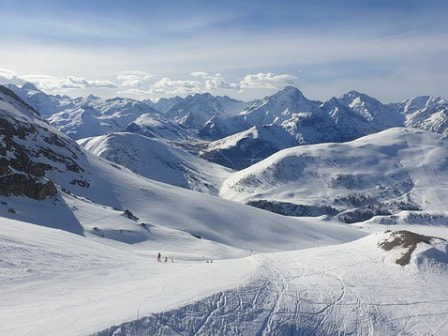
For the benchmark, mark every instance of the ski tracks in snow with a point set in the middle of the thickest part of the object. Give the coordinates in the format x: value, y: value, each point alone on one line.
x: 293, y: 296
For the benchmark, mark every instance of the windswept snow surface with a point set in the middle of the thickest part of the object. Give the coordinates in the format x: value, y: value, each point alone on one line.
x: 195, y: 110
x: 384, y: 173
x: 158, y: 161
x: 82, y: 259
x: 243, y: 149
x: 160, y: 128
x: 57, y: 283
x: 351, y: 289
x: 93, y: 116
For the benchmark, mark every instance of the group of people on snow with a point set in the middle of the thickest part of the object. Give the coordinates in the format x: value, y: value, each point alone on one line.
x: 159, y: 258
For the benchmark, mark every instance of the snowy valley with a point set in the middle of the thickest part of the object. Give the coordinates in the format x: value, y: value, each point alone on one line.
x: 281, y: 216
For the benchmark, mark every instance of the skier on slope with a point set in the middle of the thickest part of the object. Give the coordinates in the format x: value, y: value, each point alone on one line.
x: 159, y: 257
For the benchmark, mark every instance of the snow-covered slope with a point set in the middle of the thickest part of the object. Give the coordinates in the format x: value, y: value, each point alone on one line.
x: 372, y: 110
x: 46, y: 104
x: 243, y: 149
x: 80, y: 258
x: 352, y: 289
x: 426, y: 113
x: 274, y: 109
x: 288, y: 111
x: 380, y: 174
x: 94, y: 116
x: 42, y: 102
x: 55, y: 283
x: 331, y: 122
x: 163, y: 105
x: 158, y: 160
x: 195, y: 110
x: 279, y: 107
x: 339, y: 119
x: 39, y: 162
x: 161, y: 128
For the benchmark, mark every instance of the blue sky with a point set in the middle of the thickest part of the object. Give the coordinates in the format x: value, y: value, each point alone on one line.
x: 246, y: 49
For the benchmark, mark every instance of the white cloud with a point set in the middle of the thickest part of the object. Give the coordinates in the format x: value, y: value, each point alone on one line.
x: 267, y: 81
x: 199, y: 74
x: 135, y: 92
x: 170, y: 86
x: 52, y: 83
x: 217, y: 82
x: 133, y: 79
x: 10, y: 77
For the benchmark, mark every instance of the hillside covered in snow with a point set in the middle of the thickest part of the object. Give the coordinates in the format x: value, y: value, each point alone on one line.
x: 82, y: 222
x: 158, y: 160
x: 381, y: 174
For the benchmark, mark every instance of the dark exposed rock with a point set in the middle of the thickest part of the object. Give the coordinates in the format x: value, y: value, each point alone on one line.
x: 27, y: 151
x: 23, y: 185
x: 80, y: 183
x: 130, y: 215
x: 407, y: 240
x: 357, y: 215
x: 291, y: 209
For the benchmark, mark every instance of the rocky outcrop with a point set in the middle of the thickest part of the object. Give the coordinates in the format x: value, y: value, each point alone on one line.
x: 29, y: 149
x: 23, y: 185
x: 291, y: 209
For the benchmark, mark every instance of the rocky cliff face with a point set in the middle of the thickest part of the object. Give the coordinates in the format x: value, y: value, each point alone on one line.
x: 30, y: 150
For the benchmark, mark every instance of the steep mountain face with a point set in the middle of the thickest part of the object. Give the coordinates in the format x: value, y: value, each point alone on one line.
x: 410, y: 106
x: 308, y: 122
x: 426, y: 113
x: 218, y: 127
x: 380, y: 174
x: 153, y: 126
x: 85, y: 194
x: 274, y: 109
x: 330, y: 122
x: 157, y: 160
x: 44, y: 103
x: 163, y: 105
x: 83, y: 117
x: 243, y: 149
x: 94, y: 116
x: 32, y: 156
x: 372, y: 110
x: 193, y: 121
x: 279, y: 107
x: 195, y: 110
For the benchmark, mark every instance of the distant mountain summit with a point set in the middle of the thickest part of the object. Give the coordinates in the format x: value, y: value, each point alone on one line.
x: 372, y: 110
x: 195, y: 110
x: 426, y: 113
x: 196, y: 120
x: 279, y: 107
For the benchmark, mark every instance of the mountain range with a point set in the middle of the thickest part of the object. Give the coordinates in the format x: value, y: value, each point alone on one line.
x: 83, y: 221
x: 209, y: 125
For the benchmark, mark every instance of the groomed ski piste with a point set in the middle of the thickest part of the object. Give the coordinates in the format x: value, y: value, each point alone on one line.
x: 55, y: 282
